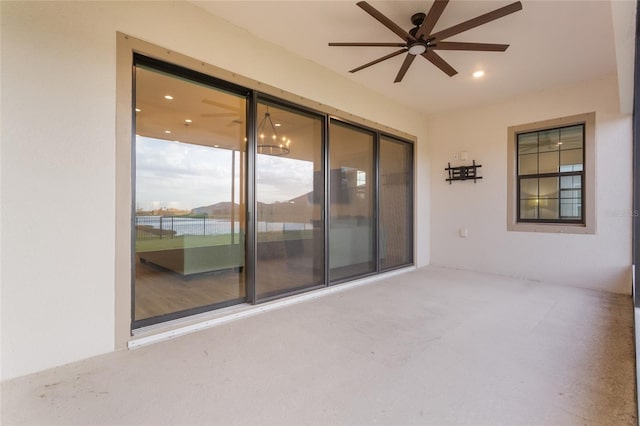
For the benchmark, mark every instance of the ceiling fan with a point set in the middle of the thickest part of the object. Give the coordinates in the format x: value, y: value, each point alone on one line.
x: 235, y: 115
x: 420, y: 40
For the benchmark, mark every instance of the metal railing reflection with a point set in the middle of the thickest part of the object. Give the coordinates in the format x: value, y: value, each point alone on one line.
x: 161, y: 227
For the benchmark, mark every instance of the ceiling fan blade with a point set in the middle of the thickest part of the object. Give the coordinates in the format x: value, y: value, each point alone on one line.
x: 484, y: 47
x: 405, y: 66
x: 385, y: 21
x: 384, y: 58
x: 369, y: 44
x: 436, y: 60
x: 432, y: 17
x: 219, y: 104
x: 475, y: 22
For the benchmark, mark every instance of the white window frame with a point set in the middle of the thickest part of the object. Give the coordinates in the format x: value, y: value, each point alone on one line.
x: 589, y: 202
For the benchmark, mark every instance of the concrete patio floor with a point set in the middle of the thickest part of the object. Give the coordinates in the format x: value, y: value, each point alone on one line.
x: 430, y: 346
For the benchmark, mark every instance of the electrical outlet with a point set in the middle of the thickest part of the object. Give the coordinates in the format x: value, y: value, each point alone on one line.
x: 456, y: 156
x: 463, y: 155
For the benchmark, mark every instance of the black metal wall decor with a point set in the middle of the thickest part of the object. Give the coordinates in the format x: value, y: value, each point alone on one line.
x: 463, y: 172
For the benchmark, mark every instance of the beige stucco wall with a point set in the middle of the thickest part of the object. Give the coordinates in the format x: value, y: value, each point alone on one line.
x: 600, y: 261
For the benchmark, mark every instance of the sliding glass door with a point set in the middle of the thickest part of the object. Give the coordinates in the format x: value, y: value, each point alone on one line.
x: 396, y: 203
x: 289, y: 200
x: 242, y: 197
x: 189, y: 222
x: 351, y: 201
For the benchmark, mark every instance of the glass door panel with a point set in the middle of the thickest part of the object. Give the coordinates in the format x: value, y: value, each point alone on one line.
x: 190, y: 193
x: 351, y: 198
x: 289, y: 201
x: 396, y: 209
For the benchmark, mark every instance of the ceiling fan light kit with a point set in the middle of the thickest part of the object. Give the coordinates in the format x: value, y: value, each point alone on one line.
x: 422, y: 41
x: 417, y: 48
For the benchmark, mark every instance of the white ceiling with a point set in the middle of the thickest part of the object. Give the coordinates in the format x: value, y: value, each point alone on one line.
x: 552, y: 43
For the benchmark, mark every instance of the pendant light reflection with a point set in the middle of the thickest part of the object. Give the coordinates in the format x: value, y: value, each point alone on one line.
x: 269, y: 142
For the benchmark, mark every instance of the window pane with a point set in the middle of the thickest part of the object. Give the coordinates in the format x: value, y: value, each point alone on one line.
x: 571, y: 160
x: 571, y: 182
x: 351, y: 242
x: 529, y: 209
x: 571, y: 197
x: 571, y: 137
x: 289, y: 194
x: 548, y: 208
x: 548, y: 187
x: 528, y: 188
x: 570, y: 193
x: 396, y: 219
x: 571, y: 208
x: 548, y: 162
x: 528, y: 143
x: 189, y: 197
x: 528, y: 164
x: 548, y: 140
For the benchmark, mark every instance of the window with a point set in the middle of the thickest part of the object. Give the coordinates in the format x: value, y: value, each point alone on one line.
x: 361, y: 178
x: 551, y: 176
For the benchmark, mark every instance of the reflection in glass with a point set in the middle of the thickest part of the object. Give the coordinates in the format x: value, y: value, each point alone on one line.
x: 572, y: 137
x: 189, y: 197
x: 570, y: 182
x: 548, y: 140
x: 396, y: 216
x: 571, y: 160
x: 529, y: 188
x: 351, y: 209
x: 548, y: 208
x: 548, y: 162
x: 289, y: 195
x: 548, y: 187
x: 528, y: 164
x: 550, y: 165
x: 528, y: 143
x: 529, y: 209
x: 571, y: 197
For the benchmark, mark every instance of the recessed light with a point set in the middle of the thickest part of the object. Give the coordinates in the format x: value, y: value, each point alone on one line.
x: 167, y: 131
x: 188, y: 121
x: 478, y: 74
x: 216, y: 146
x: 277, y: 124
x: 138, y: 110
x: 169, y: 97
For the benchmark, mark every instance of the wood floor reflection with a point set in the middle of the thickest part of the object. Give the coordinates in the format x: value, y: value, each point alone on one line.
x: 159, y: 291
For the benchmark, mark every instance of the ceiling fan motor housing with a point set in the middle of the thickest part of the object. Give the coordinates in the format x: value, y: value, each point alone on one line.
x: 418, y: 18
